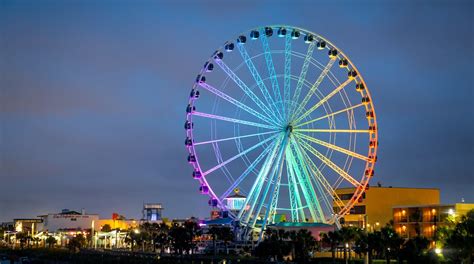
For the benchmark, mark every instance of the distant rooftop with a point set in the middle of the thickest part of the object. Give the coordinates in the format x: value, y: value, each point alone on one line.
x: 389, y: 187
x: 430, y: 205
x: 299, y: 224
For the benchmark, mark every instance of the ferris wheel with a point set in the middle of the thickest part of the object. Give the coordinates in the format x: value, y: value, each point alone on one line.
x: 283, y: 116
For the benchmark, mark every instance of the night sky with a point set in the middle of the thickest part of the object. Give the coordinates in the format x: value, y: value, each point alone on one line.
x: 93, y: 95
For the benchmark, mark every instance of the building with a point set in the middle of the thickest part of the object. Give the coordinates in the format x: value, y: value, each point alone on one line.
x: 117, y: 222
x: 68, y: 220
x: 235, y: 202
x: 152, y: 212
x: 374, y: 208
x: 414, y: 220
x: 27, y: 225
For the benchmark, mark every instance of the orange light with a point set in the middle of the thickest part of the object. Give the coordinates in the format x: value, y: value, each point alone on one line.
x: 404, y: 228
x: 404, y: 212
x: 433, y: 211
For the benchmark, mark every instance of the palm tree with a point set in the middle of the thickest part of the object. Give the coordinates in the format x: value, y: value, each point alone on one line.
x: 306, y: 244
x: 391, y: 242
x: 293, y: 236
x: 193, y: 230
x: 226, y: 235
x: 51, y: 241
x: 333, y: 238
x: 348, y: 236
x: 162, y: 238
x: 214, y: 231
x: 374, y: 244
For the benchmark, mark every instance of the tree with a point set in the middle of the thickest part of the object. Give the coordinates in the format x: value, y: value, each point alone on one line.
x: 214, y: 231
x: 414, y: 248
x: 106, y: 228
x: 23, y: 238
x: 361, y: 244
x: 273, y: 246
x: 391, y: 242
x: 226, y: 235
x: 51, y: 241
x: 162, y: 239
x: 305, y: 244
x: 333, y: 238
x: 192, y: 230
x: 181, y: 239
x: 76, y: 243
x: 374, y: 245
x: 348, y: 236
x: 459, y: 240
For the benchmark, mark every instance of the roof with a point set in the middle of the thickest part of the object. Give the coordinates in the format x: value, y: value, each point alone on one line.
x: 300, y: 224
x: 236, y: 195
x: 428, y: 205
x: 218, y: 221
x: 70, y: 212
x: 36, y: 220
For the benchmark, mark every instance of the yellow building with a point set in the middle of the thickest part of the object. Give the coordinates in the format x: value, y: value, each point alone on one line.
x: 410, y: 221
x: 374, y: 209
x: 121, y: 224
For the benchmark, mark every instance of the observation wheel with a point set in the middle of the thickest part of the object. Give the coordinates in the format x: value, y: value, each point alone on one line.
x: 282, y: 117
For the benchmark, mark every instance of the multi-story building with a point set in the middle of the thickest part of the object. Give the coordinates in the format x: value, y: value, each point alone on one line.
x: 374, y: 208
x: 152, y: 212
x: 416, y: 220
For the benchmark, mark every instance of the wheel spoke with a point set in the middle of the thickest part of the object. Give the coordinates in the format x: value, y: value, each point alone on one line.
x: 271, y: 71
x: 287, y: 78
x: 238, y: 155
x: 294, y: 177
x: 269, y: 212
x: 322, y: 101
x: 307, y: 179
x: 233, y: 120
x: 313, y: 88
x: 292, y: 194
x: 247, y: 171
x: 318, y: 176
x: 232, y: 138
x: 330, y: 164
x: 275, y: 169
x: 236, y: 103
x: 245, y: 88
x: 304, y: 71
x: 254, y: 193
x: 258, y: 79
x: 331, y: 130
x: 334, y: 147
x: 306, y: 187
x: 329, y: 115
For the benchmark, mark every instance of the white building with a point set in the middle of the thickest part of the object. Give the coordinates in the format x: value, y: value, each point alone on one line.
x: 69, y: 220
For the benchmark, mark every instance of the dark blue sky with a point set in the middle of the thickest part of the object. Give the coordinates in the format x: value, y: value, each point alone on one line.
x: 93, y: 95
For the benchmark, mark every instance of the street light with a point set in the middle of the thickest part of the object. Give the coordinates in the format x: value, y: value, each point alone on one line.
x: 136, y: 231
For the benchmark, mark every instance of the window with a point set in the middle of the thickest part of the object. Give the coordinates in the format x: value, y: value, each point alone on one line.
x: 346, y: 196
x: 358, y: 209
